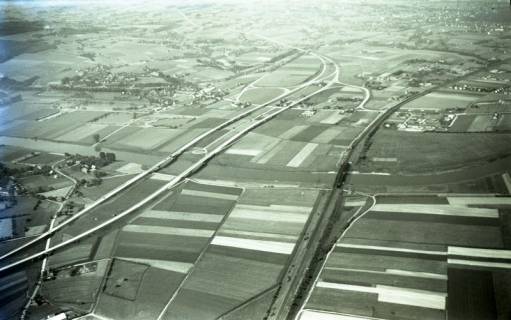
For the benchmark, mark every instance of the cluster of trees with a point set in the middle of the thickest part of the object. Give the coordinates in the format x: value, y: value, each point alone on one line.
x: 104, y: 159
x: 23, y: 171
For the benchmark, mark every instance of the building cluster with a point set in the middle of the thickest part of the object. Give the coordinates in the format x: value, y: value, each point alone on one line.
x: 89, y: 164
x: 472, y: 87
x: 8, y: 192
x: 100, y: 76
x: 208, y: 95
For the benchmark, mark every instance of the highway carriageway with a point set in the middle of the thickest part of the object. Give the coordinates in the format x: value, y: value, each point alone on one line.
x: 192, y: 169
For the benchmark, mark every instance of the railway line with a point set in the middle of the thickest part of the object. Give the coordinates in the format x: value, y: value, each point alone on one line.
x: 283, y: 307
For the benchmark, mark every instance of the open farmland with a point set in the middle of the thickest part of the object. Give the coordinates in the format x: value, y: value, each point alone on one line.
x: 292, y: 74
x: 481, y: 123
x: 403, y: 255
x: 442, y: 101
x: 260, y: 95
x: 93, y: 193
x: 164, y: 241
x: 111, y: 208
x: 147, y: 138
x: 116, y: 118
x: 418, y: 152
x: 23, y: 112
x: 75, y: 288
x: 246, y: 256
x: 145, y: 175
x: 86, y: 133
x: 51, y: 128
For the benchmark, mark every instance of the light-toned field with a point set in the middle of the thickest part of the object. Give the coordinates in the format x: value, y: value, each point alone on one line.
x: 260, y: 95
x: 439, y: 101
x: 57, y: 193
x: 300, y: 157
x: 284, y: 78
x: 482, y: 123
x: 208, y: 73
x: 82, y: 132
x: 327, y: 136
x: 148, y: 138
x: 271, y: 213
x: 253, y: 244
x: 130, y: 168
x: 438, y: 209
x: 252, y: 144
x: 182, y: 139
x: 483, y: 200
x: 292, y: 74
x: 252, y: 58
x: 282, y: 153
x: 334, y: 118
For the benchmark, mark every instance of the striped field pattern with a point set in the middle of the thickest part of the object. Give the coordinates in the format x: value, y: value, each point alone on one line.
x: 245, y: 258
x: 396, y: 261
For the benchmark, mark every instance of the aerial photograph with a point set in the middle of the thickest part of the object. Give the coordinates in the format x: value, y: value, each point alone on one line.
x: 255, y: 159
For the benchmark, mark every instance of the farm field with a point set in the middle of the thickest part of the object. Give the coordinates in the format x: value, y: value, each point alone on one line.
x: 441, y: 101
x: 153, y: 288
x: 12, y: 285
x: 246, y: 255
x: 115, y: 118
x: 51, y: 128
x: 480, y: 179
x: 390, y: 127
x: 260, y: 95
x: 481, y: 123
x: 22, y: 112
x: 417, y: 152
x: 253, y: 309
x: 17, y: 221
x: 111, y: 208
x: 79, y: 290
x: 85, y: 134
x: 165, y: 240
x: 409, y: 272
x: 221, y: 172
x: 93, y: 193
x: 147, y: 138
x: 292, y: 74
x: 44, y: 158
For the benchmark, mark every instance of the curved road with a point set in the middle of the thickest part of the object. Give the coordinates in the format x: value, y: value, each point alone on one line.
x: 166, y: 161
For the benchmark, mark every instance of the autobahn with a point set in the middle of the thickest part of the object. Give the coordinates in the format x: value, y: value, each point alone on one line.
x: 165, y: 162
